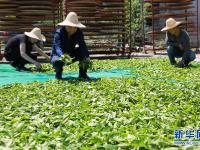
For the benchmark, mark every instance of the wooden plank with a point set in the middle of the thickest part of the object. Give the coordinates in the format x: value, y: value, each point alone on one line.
x: 158, y: 16
x: 167, y: 1
x: 35, y: 8
x: 11, y: 6
x: 169, y: 8
x: 37, y: 3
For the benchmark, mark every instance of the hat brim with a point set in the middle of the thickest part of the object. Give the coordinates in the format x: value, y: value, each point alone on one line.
x: 40, y: 38
x: 67, y: 23
x: 168, y: 28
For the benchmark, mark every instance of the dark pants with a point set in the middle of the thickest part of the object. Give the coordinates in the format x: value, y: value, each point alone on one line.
x: 76, y: 54
x: 175, y: 52
x: 17, y: 60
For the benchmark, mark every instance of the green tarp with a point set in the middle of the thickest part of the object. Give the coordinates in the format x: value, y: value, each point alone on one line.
x: 9, y: 75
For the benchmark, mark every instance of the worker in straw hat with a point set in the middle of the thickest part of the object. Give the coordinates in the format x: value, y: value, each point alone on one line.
x: 69, y: 43
x: 19, y: 47
x: 178, y: 43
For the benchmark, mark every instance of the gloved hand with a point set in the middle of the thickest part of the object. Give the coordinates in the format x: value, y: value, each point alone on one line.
x: 66, y: 59
x: 38, y: 66
x: 86, y: 63
x: 180, y: 46
x: 181, y: 64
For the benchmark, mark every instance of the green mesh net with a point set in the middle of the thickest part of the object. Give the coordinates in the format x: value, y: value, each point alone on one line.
x: 9, y: 75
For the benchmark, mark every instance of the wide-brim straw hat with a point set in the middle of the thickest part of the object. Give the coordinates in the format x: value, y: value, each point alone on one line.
x: 72, y: 21
x: 36, y: 34
x: 170, y: 24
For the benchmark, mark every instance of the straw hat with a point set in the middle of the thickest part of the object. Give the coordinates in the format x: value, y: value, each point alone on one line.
x: 170, y: 24
x: 36, y: 34
x: 72, y: 20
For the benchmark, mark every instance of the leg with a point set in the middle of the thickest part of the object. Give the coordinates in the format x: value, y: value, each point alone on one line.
x: 189, y: 56
x: 171, y: 55
x: 192, y: 55
x: 83, y: 70
x: 14, y: 61
x: 83, y: 66
x: 23, y: 62
x: 58, y: 66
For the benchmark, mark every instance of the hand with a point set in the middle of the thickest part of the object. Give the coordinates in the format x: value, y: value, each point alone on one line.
x: 38, y: 66
x: 87, y: 59
x: 62, y: 58
x: 181, y: 64
x: 87, y: 63
x: 180, y: 46
x: 66, y: 59
x: 48, y: 58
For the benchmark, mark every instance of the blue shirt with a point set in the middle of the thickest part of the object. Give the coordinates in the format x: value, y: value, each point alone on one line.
x: 63, y: 44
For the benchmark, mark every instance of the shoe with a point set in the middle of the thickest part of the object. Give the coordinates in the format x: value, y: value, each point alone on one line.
x: 84, y: 77
x: 83, y: 74
x: 22, y: 68
x: 17, y: 68
x: 186, y: 63
x: 183, y: 64
x: 15, y: 65
x: 58, y: 77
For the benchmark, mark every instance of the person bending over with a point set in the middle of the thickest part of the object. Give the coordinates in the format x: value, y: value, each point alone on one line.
x: 19, y: 47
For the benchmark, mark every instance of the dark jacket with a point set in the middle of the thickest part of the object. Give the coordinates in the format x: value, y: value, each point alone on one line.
x: 62, y: 44
x: 183, y: 39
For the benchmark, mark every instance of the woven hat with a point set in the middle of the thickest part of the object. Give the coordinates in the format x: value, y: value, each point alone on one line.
x: 36, y: 34
x: 170, y: 24
x: 72, y: 20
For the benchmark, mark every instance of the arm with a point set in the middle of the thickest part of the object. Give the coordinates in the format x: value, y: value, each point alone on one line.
x: 185, y: 43
x: 26, y: 57
x: 57, y: 44
x: 169, y: 40
x: 35, y: 47
x: 82, y: 45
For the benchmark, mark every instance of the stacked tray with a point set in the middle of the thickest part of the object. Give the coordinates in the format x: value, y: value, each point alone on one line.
x: 18, y: 16
x: 8, y: 9
x: 35, y: 11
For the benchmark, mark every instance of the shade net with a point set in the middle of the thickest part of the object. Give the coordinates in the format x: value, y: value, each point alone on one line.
x: 8, y: 75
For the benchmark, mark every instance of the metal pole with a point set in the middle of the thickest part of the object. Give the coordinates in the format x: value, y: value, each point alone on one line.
x: 65, y: 12
x: 1, y: 56
x: 54, y: 18
x: 197, y: 25
x: 130, y: 28
x: 143, y: 32
x: 153, y: 28
x: 123, y: 36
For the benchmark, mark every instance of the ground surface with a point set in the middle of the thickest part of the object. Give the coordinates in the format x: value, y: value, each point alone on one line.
x: 141, y: 111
